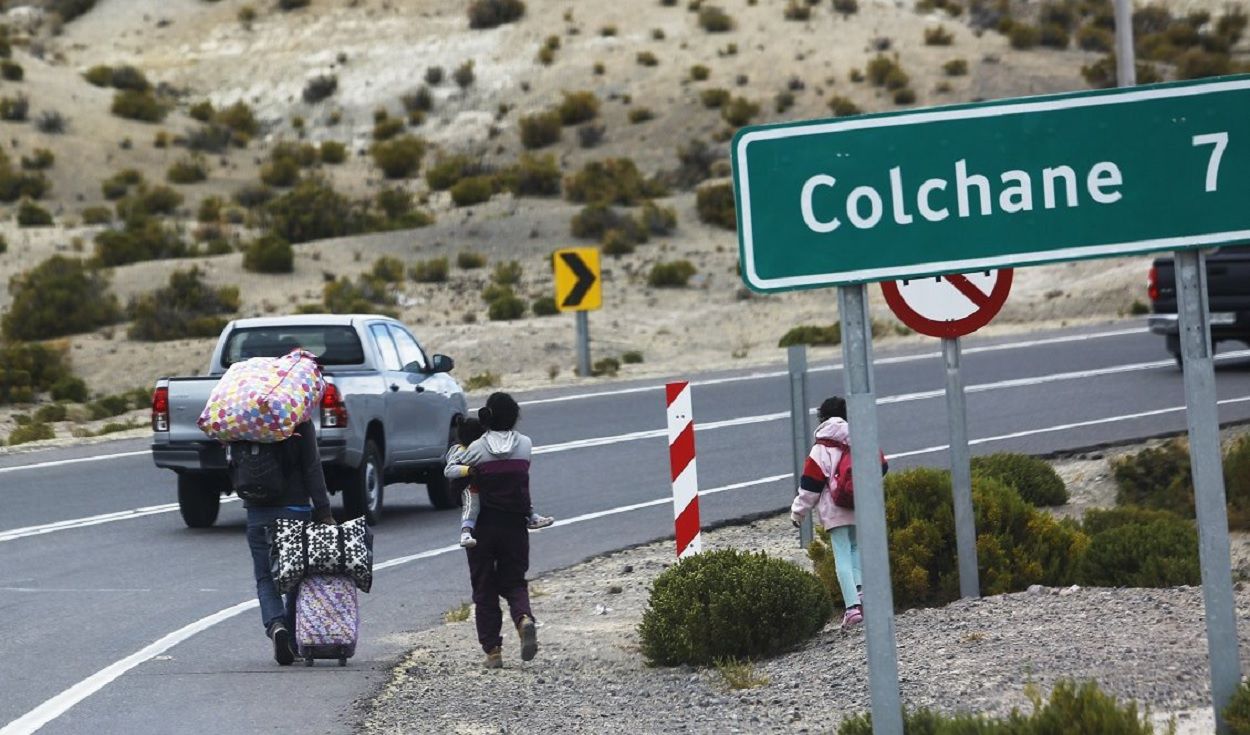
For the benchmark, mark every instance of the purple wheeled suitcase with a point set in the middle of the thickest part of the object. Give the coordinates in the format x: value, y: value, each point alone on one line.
x: 327, y: 618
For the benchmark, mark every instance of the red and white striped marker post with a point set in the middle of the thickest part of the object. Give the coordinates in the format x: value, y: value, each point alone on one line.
x: 685, y: 476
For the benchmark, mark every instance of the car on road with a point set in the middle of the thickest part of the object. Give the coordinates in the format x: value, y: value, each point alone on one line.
x: 387, y: 415
x: 1228, y: 298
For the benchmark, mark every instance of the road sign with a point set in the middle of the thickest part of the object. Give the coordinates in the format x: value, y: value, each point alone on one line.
x: 993, y: 185
x: 578, y: 287
x: 949, y: 306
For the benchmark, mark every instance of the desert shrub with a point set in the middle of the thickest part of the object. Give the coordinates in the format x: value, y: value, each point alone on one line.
x: 50, y: 122
x: 421, y: 100
x: 210, y: 138
x: 657, y: 220
x: 540, y: 129
x: 51, y: 413
x: 30, y: 368
x: 472, y: 190
x: 433, y: 270
x: 32, y: 432
x: 187, y: 171
x: 695, y: 161
x: 14, y: 109
x: 631, y: 357
x: 467, y: 260
x: 30, y: 214
x: 618, y: 242
x: 841, y: 106
x: 675, y: 274
x: 1237, y: 482
x: 612, y: 181
x: 97, y: 216
x: 287, y: 5
x: 118, y: 185
x: 1093, y: 38
x: 607, y: 367
x: 202, y: 111
x: 796, y: 11
x: 715, y: 20
x: 1133, y: 547
x: 730, y: 604
x: 447, y: 170
x: 434, y: 75
x: 281, y: 172
x: 388, y: 269
x: 699, y: 73
x: 59, y: 296
x: 187, y: 307
x: 128, y: 77
x: 506, y: 273
x: 364, y: 295
x: 783, y: 101
x: 846, y: 7
x: 1034, y: 479
x: 955, y: 67
x: 544, y: 306
x: 578, y: 107
x: 714, y: 98
x: 12, y: 71
x: 141, y: 238
x: 99, y: 75
x: 812, y: 334
x: 1017, y: 544
x: 319, y: 88
x: 1053, y: 35
x: 506, y: 307
x: 1198, y: 64
x: 1237, y: 713
x: 1024, y: 36
x: 882, y: 71
x: 938, y: 37
x: 398, y: 158
x: 640, y: 115
x: 135, y: 105
x: 269, y: 254
x: 537, y: 176
x: 253, y: 195
x: 388, y: 128
x: 715, y: 205
x: 492, y: 13
x: 312, y: 210
x: 646, y: 58
x: 1156, y: 477
x: 332, y: 152
x: 149, y: 200
x: 463, y: 76
x: 1072, y: 708
x: 1102, y: 73
x: 239, y: 118
x: 595, y: 220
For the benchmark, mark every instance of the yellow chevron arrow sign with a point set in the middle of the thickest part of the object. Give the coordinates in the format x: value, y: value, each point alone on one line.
x: 578, y: 286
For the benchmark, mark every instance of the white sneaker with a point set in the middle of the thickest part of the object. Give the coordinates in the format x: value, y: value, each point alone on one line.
x: 467, y: 540
x: 536, y: 522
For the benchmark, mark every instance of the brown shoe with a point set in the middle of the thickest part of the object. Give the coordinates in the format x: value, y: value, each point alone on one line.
x: 528, y: 633
x: 494, y: 659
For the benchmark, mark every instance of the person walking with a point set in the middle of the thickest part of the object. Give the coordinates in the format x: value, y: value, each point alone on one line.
x: 498, y: 561
x: 304, y: 497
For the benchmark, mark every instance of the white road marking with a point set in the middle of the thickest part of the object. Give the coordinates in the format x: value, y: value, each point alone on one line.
x: 79, y: 460
x: 70, y: 590
x: 123, y: 515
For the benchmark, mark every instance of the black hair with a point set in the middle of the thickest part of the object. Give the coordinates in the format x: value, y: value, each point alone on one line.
x: 468, y: 429
x: 500, y: 413
x: 834, y: 406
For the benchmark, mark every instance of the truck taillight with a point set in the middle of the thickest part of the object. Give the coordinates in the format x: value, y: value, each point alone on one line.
x: 333, y: 410
x: 1152, y: 284
x: 160, y: 410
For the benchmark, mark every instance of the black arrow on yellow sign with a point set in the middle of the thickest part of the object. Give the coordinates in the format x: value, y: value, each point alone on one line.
x: 585, y: 280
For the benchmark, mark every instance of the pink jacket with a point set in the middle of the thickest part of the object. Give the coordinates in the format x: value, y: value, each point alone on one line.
x: 821, y: 463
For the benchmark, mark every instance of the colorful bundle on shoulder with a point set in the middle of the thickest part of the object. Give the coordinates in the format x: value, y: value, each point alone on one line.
x: 263, y: 399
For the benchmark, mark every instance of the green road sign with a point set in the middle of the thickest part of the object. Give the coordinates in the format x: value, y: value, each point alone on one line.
x: 994, y: 185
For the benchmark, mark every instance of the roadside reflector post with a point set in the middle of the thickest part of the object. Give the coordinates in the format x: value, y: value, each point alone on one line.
x: 1205, y: 459
x: 861, y: 404
x: 583, y: 344
x: 961, y: 471
x: 684, y: 472
x: 800, y: 430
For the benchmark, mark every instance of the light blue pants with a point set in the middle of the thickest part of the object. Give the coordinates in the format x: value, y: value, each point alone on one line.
x: 846, y: 562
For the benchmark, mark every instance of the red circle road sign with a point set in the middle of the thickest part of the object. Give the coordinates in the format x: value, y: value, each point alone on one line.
x: 949, y: 306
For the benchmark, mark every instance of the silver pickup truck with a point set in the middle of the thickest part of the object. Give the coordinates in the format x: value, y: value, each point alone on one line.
x: 386, y: 417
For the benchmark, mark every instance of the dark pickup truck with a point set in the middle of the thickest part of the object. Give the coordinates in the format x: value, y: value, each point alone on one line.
x: 1228, y: 297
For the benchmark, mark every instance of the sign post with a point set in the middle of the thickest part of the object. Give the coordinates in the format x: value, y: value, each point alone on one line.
x: 579, y: 289
x: 800, y: 431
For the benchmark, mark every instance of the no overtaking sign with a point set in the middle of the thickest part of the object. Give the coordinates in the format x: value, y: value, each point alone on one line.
x: 994, y: 185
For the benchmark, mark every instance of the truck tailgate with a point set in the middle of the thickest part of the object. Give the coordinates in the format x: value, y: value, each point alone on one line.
x: 187, y: 397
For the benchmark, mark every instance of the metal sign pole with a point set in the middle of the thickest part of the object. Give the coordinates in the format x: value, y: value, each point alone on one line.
x: 799, y: 428
x: 887, y: 712
x: 1125, y: 61
x: 583, y: 344
x: 961, y: 472
x: 1204, y: 455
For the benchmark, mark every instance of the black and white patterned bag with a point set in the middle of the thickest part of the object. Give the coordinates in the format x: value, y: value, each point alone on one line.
x: 301, y: 548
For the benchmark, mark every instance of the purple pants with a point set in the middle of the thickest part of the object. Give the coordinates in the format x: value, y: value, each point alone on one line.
x: 497, y: 567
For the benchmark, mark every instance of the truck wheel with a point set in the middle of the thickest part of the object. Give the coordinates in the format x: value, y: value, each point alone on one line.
x: 438, y: 487
x: 364, y: 496
x: 199, y: 499
x: 1173, y: 344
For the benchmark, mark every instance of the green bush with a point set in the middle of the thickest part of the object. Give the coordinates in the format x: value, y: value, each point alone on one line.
x: 59, y: 296
x: 388, y: 269
x: 618, y: 242
x: 739, y: 111
x: 32, y: 432
x: 388, y: 128
x: 1237, y: 713
x: 30, y: 214
x: 811, y: 334
x: 1024, y: 36
x: 507, y: 274
x: 27, y: 369
x: 312, y: 210
x: 492, y: 13
x: 187, y: 307
x: 400, y: 157
x: 639, y: 115
x: 333, y: 152
x: 99, y: 75
x: 14, y: 109
x: 715, y: 20
x: 366, y: 295
x: 1237, y: 482
x: 463, y: 75
x: 675, y: 274
x: 51, y: 413
x: 187, y: 171
x: 846, y: 7
x: 544, y: 306
x: 596, y: 220
x: 841, y: 106
x: 1136, y: 547
x: 1093, y: 38
x: 472, y: 190
x: 118, y: 185
x: 699, y: 73
x: 135, y: 105
x: 433, y: 270
x: 646, y: 58
x: 714, y: 98
x: 536, y: 176
x: 422, y: 100
x: 1034, y: 479
x: 795, y: 11
x: 1156, y: 477
x: 607, y: 367
x: 447, y: 170
x: 506, y: 307
x: 281, y: 172
x: 1078, y: 710
x: 611, y: 181
x: 69, y: 388
x: 938, y: 37
x: 269, y: 254
x: 1053, y: 35
x: 319, y: 88
x: 40, y: 159
x: 730, y: 604
x: 202, y: 111
x: 467, y: 260
x: 955, y: 67
x: 141, y: 238
x: 631, y: 357
x: 540, y: 129
x: 657, y: 220
x: 715, y: 205
x: 11, y: 71
x: 578, y: 107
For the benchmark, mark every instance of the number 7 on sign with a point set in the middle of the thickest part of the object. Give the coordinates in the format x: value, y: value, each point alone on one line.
x: 1220, y: 141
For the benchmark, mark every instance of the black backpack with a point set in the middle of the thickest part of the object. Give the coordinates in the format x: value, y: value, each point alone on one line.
x: 257, y: 471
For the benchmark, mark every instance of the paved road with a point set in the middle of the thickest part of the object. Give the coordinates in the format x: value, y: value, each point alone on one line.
x: 108, y: 602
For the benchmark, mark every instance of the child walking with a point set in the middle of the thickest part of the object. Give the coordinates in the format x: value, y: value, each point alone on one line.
x: 469, y: 430
x: 816, y: 490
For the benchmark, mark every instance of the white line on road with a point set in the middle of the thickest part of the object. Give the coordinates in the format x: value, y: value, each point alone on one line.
x: 123, y: 515
x: 78, y: 460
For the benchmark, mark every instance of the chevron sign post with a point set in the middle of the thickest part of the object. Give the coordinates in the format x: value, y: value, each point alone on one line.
x: 685, y: 476
x: 578, y: 289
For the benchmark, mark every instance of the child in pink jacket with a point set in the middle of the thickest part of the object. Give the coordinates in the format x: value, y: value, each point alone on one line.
x: 815, y: 490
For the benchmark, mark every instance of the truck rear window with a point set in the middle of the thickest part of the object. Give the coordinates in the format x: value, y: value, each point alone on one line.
x: 333, y: 345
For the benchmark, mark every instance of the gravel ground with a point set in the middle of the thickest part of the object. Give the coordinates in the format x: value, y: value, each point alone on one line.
x: 979, y: 655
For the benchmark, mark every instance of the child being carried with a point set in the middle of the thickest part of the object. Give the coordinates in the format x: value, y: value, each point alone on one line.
x: 469, y: 430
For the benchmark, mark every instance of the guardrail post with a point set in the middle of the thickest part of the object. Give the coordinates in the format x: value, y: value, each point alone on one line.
x: 800, y: 429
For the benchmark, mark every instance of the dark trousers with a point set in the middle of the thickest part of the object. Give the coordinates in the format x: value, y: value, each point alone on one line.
x: 272, y: 607
x: 497, y: 567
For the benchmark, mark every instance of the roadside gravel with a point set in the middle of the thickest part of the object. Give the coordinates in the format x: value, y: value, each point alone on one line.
x: 979, y: 655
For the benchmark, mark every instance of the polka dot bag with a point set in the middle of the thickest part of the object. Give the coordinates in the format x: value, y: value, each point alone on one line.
x: 263, y: 399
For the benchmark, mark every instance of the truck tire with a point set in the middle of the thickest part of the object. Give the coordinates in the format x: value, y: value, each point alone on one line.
x: 1173, y: 344
x: 438, y: 487
x: 199, y: 499
x: 364, y: 496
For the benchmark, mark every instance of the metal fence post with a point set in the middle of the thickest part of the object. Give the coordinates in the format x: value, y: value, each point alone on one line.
x: 961, y: 472
x: 800, y: 430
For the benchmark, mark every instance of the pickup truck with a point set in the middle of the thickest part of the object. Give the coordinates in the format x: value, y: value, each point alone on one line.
x: 1228, y: 298
x: 386, y: 416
